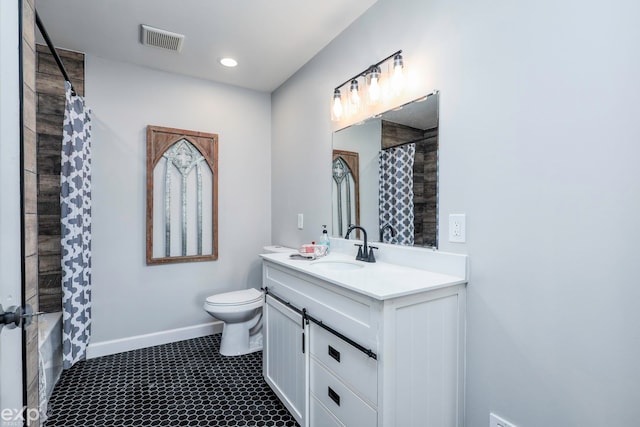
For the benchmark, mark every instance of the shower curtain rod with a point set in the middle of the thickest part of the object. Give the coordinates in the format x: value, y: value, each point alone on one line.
x: 52, y: 48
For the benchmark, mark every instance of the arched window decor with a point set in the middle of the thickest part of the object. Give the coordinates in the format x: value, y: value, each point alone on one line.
x: 182, y: 186
x: 346, y: 194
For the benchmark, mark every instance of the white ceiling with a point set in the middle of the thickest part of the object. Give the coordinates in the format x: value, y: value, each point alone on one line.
x: 271, y: 39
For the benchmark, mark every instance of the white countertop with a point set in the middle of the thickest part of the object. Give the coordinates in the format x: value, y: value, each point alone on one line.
x: 379, y: 280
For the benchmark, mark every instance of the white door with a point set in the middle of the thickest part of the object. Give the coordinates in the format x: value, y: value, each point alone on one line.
x: 11, y: 400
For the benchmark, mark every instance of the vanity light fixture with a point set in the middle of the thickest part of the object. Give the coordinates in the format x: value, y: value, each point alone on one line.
x: 379, y: 82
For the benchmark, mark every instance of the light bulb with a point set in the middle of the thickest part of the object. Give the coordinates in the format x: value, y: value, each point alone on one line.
x: 374, y: 89
x: 354, y: 98
x: 337, y: 105
x: 374, y: 85
x: 397, y: 76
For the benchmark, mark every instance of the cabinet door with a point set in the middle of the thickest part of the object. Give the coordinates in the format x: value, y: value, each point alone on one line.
x: 284, y: 365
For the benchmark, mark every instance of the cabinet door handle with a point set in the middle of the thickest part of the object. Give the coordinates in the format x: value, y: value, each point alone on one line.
x: 334, y: 396
x: 334, y: 353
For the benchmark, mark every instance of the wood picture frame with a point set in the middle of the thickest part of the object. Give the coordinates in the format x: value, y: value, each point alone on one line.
x: 177, y: 153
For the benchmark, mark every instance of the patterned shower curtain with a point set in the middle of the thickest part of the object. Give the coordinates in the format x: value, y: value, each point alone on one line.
x: 395, y: 202
x: 75, y: 204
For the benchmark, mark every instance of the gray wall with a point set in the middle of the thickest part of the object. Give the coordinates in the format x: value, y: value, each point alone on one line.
x: 540, y: 148
x: 129, y: 297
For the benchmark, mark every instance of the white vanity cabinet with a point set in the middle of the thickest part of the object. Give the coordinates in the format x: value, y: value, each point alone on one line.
x: 387, y: 362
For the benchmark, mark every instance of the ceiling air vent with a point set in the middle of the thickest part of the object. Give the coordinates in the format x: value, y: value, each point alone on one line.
x: 162, y: 38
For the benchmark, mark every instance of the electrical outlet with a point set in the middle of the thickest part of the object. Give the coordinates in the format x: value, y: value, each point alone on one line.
x: 457, y: 228
x: 496, y: 421
x: 300, y: 221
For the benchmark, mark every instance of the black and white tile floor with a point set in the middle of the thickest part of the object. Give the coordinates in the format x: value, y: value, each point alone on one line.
x: 187, y: 383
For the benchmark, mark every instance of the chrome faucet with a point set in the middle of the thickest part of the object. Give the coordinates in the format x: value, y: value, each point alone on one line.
x: 365, y: 252
x: 393, y: 232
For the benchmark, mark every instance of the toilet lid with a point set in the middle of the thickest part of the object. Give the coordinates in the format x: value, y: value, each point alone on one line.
x: 244, y: 296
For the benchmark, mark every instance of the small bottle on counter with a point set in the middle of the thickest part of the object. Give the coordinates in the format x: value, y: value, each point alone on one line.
x: 324, y: 238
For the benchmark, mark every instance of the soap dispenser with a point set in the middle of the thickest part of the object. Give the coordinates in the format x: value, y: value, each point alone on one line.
x: 324, y: 238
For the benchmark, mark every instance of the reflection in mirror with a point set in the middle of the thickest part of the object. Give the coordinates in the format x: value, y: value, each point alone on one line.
x: 345, y: 189
x: 397, y: 154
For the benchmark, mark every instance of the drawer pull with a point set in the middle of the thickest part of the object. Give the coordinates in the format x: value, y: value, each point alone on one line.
x: 334, y: 353
x: 334, y: 396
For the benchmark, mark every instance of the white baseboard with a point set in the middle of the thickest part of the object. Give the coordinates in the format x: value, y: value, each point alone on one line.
x: 105, y: 348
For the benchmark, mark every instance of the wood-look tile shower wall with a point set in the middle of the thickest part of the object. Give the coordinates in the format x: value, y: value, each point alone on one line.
x: 30, y: 198
x: 425, y: 177
x: 49, y: 114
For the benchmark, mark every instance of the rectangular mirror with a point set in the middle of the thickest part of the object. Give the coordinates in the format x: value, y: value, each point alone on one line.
x: 393, y: 189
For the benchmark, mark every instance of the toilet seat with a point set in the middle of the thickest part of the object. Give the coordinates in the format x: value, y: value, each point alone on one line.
x: 235, y: 298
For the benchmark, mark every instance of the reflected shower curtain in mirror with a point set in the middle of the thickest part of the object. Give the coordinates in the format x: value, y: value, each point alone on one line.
x: 75, y: 205
x: 395, y: 202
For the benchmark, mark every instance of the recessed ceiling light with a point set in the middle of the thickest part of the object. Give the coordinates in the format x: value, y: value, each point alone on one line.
x: 228, y: 62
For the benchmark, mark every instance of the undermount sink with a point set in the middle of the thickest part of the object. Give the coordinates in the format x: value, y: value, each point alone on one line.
x: 337, y: 265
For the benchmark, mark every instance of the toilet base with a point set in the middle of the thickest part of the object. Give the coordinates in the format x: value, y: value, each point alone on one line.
x: 236, y: 340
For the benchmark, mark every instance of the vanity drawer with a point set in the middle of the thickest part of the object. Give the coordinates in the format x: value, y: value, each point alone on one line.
x: 354, y: 367
x: 347, y: 407
x: 320, y: 416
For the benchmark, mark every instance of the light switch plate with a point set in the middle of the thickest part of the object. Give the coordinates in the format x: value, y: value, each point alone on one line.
x: 457, y: 228
x: 300, y: 221
x: 496, y: 421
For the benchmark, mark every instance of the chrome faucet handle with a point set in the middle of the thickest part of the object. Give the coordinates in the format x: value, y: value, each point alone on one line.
x: 371, y: 258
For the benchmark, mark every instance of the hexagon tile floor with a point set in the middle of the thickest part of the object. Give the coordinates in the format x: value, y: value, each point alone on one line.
x: 186, y: 383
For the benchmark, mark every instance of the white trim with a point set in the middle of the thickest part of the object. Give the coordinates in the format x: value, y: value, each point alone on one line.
x: 11, y: 363
x: 105, y: 348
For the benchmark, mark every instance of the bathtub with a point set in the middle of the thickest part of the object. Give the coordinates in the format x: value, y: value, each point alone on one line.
x: 50, y: 354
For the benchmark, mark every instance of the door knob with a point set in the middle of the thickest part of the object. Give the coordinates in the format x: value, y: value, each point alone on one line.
x: 14, y: 316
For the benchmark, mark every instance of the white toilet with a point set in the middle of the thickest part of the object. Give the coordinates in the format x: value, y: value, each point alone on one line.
x: 241, y: 312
